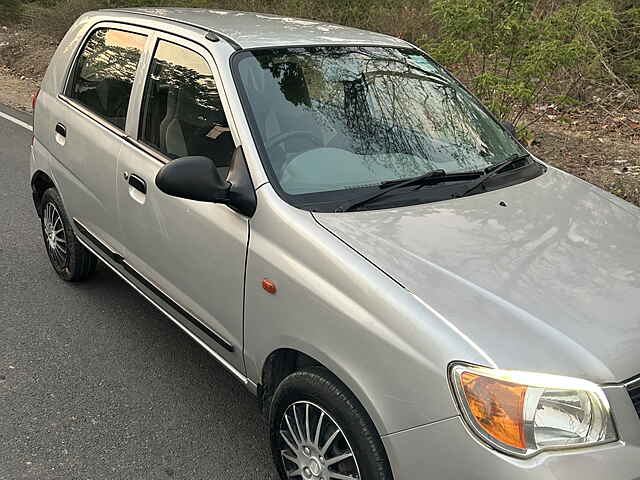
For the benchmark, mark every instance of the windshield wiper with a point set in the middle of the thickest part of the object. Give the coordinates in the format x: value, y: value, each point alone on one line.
x: 496, y: 169
x: 433, y: 76
x: 439, y: 175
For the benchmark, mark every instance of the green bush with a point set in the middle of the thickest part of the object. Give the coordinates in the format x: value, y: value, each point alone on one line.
x: 409, y: 19
x: 513, y: 52
x: 10, y: 11
x: 625, y: 49
x: 53, y: 18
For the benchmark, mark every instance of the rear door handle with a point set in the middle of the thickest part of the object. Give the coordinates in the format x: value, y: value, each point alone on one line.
x: 61, y: 130
x: 137, y: 183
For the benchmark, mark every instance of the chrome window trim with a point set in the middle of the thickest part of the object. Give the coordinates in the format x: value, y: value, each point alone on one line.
x: 633, y: 382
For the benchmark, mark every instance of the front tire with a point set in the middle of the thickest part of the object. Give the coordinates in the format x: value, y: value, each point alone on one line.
x: 319, y: 430
x: 69, y: 258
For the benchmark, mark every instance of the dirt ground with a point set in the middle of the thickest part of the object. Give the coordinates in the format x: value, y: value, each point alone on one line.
x: 15, y: 91
x: 598, y: 145
x: 23, y: 61
x: 599, y: 142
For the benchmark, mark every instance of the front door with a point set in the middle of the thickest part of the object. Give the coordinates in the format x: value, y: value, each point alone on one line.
x: 193, y: 252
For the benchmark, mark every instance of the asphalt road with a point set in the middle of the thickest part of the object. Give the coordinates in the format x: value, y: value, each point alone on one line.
x: 94, y: 382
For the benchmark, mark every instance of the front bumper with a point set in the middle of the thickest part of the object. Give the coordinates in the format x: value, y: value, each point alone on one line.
x: 448, y: 450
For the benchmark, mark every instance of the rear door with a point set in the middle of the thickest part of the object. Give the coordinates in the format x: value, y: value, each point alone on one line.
x: 191, y: 253
x: 90, y: 121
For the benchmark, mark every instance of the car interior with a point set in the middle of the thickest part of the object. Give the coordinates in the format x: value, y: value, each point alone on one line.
x: 109, y: 98
x: 186, y: 120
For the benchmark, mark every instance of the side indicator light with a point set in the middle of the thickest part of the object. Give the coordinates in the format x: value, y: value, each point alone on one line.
x: 34, y: 100
x: 269, y: 286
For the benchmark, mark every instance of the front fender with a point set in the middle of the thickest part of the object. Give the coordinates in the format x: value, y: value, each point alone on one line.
x: 338, y: 308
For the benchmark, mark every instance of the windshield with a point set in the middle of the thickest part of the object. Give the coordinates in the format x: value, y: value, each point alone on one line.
x: 334, y: 119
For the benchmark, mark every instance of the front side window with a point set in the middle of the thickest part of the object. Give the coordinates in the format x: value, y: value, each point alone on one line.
x: 331, y: 122
x: 182, y: 112
x: 103, y: 76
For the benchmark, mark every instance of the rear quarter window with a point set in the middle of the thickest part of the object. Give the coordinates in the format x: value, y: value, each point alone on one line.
x: 102, y: 77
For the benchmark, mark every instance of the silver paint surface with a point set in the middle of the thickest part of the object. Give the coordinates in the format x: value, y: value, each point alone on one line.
x: 549, y: 283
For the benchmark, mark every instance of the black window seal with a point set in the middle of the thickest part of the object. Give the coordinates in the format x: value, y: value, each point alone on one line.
x: 99, y: 119
x: 145, y: 99
x: 156, y: 155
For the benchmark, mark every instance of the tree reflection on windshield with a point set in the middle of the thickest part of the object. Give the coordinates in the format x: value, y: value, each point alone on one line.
x: 386, y: 114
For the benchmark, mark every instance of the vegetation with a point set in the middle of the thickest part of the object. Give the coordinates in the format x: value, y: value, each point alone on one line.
x: 511, y: 53
x: 11, y: 10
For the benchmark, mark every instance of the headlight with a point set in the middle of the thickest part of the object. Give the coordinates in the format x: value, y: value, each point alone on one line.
x: 523, y: 413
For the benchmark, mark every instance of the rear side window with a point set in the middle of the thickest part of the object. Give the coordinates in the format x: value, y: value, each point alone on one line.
x: 182, y: 114
x: 104, y: 72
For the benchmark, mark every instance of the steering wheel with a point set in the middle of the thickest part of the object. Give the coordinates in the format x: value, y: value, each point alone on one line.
x: 281, y: 137
x: 278, y: 139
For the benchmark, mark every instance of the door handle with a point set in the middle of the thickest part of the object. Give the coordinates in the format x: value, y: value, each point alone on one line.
x: 61, y: 130
x: 138, y: 183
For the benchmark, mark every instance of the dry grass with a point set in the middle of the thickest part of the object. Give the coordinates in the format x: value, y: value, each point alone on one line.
x: 55, y: 21
x: 410, y: 20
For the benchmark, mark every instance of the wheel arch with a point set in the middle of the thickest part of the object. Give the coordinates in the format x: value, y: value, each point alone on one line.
x: 286, y: 360
x: 40, y: 182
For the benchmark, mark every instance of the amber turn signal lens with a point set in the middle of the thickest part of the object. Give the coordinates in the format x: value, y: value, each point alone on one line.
x: 269, y: 286
x: 497, y: 407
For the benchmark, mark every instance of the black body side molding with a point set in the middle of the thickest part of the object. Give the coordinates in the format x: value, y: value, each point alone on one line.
x: 119, y: 259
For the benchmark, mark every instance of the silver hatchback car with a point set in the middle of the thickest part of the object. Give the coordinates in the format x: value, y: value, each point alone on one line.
x: 409, y: 292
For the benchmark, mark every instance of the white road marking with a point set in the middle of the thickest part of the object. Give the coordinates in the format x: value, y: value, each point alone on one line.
x: 16, y: 121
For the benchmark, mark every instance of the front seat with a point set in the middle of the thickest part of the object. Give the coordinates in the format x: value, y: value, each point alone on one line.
x: 171, y: 136
x: 197, y: 128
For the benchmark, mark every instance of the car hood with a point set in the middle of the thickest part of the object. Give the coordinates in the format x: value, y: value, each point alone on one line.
x: 541, y: 276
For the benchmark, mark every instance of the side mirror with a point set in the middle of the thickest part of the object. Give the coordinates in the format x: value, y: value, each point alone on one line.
x: 509, y: 127
x: 193, y: 178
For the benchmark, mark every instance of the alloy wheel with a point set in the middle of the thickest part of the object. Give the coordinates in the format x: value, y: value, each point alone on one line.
x: 314, y: 447
x: 54, y: 235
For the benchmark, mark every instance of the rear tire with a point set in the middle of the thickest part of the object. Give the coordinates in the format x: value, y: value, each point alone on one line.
x: 347, y: 444
x: 69, y: 258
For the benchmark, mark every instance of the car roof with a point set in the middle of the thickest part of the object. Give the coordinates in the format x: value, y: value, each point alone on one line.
x: 253, y: 30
